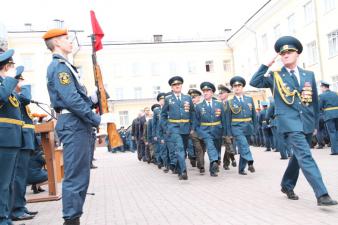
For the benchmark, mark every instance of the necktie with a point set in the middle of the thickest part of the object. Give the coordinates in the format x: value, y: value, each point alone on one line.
x: 209, y: 106
x: 240, y: 100
x: 178, y: 99
x: 294, y: 78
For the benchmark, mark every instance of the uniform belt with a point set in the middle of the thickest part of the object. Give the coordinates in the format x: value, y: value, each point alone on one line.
x: 211, y: 124
x: 331, y: 108
x: 241, y: 120
x: 262, y: 121
x: 30, y: 126
x: 179, y: 121
x: 12, y: 121
x: 64, y: 111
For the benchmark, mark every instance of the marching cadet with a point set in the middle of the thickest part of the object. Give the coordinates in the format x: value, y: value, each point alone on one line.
x: 11, y: 123
x: 176, y: 120
x: 155, y: 131
x: 328, y: 103
x: 161, y: 155
x: 264, y: 123
x: 210, y: 125
x: 242, y: 115
x: 197, y: 142
x: 74, y: 125
x: 148, y: 136
x: 18, y: 207
x: 294, y: 93
x: 229, y: 153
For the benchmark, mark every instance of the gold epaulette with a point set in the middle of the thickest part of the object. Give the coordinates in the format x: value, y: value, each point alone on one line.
x: 233, y: 110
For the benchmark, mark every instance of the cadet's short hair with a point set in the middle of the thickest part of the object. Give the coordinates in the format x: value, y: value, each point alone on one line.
x: 50, y: 44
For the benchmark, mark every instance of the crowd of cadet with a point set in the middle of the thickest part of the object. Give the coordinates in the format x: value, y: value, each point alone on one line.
x: 295, y: 119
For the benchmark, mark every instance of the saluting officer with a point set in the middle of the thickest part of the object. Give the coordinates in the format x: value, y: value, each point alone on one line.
x: 295, y: 95
x: 176, y: 120
x: 18, y: 207
x: 11, y: 123
x: 328, y: 103
x: 211, y: 125
x: 243, y: 120
x: 74, y: 126
x: 229, y: 153
x: 197, y: 142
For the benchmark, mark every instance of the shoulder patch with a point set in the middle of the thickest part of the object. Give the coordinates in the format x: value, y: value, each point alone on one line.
x: 64, y: 78
x: 61, y: 61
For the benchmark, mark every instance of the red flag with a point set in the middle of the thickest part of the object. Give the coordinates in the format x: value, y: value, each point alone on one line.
x: 97, y: 31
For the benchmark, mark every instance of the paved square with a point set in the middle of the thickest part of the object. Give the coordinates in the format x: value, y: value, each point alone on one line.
x: 129, y: 192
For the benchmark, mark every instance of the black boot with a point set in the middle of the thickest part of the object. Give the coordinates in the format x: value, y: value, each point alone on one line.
x: 75, y: 221
x: 35, y: 189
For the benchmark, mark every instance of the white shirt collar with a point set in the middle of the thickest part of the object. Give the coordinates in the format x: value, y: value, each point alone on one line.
x: 241, y: 96
x: 209, y: 101
x: 296, y: 72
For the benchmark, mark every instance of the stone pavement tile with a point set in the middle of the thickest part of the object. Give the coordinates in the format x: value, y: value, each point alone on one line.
x: 129, y: 192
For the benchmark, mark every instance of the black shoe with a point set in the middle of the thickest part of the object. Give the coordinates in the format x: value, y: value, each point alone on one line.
x: 32, y: 213
x: 93, y: 166
x: 268, y: 150
x: 35, y: 189
x: 213, y: 174
x: 283, y: 158
x: 41, y: 190
x: 320, y: 147
x: 242, y: 172
x: 183, y: 176
x: 334, y: 154
x: 166, y: 170
x: 202, y: 170
x: 75, y: 221
x: 326, y: 200
x: 291, y: 194
x: 174, y: 171
x: 251, y: 168
x: 233, y: 163
x: 159, y: 166
x: 25, y: 216
x: 226, y: 167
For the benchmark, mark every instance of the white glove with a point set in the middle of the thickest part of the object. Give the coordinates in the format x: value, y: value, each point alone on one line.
x: 11, y: 72
x: 107, y: 118
x: 94, y: 97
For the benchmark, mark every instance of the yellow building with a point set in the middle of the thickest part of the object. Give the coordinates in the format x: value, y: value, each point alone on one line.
x: 314, y: 22
x: 135, y: 72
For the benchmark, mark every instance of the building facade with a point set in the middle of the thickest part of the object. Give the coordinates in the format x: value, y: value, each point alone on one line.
x: 313, y: 22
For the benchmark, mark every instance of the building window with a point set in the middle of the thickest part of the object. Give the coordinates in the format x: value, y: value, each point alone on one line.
x: 277, y: 31
x: 312, y: 53
x: 292, y: 24
x: 156, y: 90
x: 192, y: 86
x: 227, y: 66
x: 124, y: 118
x: 309, y: 12
x: 329, y: 5
x: 334, y: 86
x: 209, y: 66
x: 155, y: 69
x: 333, y: 43
x: 27, y: 62
x: 192, y: 67
x: 173, y: 68
x: 265, y: 42
x: 119, y: 93
x: 137, y: 92
x: 136, y: 69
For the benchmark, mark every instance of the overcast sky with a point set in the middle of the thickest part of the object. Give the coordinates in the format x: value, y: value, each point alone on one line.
x: 124, y: 20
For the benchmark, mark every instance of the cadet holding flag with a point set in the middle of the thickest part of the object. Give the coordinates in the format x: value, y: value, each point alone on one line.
x: 295, y: 94
x: 74, y: 126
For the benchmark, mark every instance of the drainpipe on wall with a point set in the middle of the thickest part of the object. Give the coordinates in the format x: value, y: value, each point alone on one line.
x: 318, y: 40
